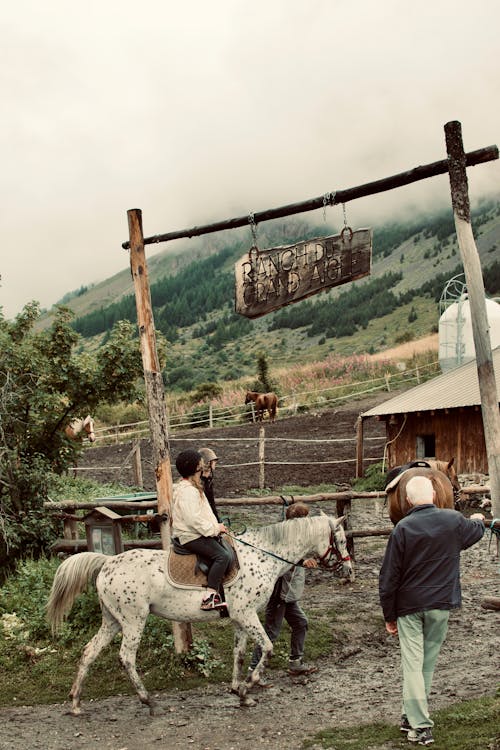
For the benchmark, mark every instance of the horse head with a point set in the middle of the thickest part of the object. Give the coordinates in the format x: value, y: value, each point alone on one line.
x: 88, y: 426
x: 448, y: 468
x: 336, y: 557
x: 248, y: 397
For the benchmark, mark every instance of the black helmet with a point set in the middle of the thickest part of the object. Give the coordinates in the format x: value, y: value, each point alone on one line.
x: 187, y: 462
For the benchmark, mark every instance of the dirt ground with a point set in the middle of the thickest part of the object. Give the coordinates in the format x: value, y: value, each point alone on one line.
x: 307, y: 449
x: 358, y: 682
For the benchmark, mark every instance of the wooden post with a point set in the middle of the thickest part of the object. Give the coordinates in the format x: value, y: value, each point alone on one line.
x: 262, y: 453
x: 359, y: 447
x: 155, y: 396
x: 479, y: 318
x: 137, y: 465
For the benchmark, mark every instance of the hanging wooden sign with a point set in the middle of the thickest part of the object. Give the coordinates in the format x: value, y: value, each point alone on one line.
x: 266, y: 280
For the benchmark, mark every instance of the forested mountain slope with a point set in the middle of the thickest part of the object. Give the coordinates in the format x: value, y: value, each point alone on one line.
x: 192, y: 290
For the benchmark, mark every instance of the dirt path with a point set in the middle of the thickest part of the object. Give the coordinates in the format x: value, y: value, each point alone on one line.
x: 358, y: 682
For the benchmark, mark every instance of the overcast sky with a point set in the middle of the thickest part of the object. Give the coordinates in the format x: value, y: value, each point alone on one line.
x: 197, y: 111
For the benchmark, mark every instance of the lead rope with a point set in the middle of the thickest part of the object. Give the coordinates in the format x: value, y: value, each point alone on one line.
x: 265, y: 551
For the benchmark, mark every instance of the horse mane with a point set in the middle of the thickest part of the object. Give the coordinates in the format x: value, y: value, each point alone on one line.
x: 440, y: 466
x: 292, y: 530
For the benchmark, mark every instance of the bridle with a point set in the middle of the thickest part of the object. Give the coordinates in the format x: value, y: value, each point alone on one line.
x: 332, y: 552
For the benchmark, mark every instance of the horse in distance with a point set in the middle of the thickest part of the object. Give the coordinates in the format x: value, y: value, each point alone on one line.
x: 444, y: 480
x: 76, y: 426
x: 264, y: 554
x: 263, y: 402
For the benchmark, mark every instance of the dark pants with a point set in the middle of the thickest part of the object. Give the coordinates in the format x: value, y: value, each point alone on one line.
x: 276, y: 611
x: 219, y: 557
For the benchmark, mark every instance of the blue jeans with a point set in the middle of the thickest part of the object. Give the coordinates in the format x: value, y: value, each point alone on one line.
x: 421, y: 636
x: 220, y: 558
x: 276, y: 611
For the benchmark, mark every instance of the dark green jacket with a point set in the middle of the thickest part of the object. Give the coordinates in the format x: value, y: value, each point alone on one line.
x: 421, y: 565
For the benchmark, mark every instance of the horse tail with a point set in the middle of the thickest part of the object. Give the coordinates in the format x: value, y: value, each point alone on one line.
x: 71, y: 578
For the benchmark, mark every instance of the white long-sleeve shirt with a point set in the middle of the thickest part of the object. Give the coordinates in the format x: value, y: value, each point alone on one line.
x: 192, y: 515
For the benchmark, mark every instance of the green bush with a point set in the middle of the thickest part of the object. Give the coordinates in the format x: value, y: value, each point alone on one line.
x: 373, y: 481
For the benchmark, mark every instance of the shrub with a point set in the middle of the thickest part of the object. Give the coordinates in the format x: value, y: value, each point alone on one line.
x: 373, y: 481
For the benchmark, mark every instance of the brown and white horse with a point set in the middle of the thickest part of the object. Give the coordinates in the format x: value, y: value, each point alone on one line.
x: 75, y: 427
x: 444, y: 480
x: 262, y: 402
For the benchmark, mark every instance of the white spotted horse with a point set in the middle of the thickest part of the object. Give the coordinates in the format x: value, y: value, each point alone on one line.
x: 264, y: 554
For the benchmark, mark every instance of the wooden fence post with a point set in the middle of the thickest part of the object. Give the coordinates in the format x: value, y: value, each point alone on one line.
x: 359, y: 447
x: 262, y: 452
x: 479, y: 317
x: 155, y: 397
x: 137, y: 465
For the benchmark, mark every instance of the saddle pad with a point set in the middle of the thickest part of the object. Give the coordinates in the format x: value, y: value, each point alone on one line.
x: 182, y: 572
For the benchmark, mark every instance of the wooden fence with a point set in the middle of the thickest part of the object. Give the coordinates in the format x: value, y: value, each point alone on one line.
x: 140, y: 508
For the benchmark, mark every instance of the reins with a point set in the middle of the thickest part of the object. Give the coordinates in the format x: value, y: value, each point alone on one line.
x: 265, y: 551
x: 323, y: 560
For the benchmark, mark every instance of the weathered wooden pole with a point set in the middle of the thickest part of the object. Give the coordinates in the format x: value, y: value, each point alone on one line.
x: 155, y: 395
x: 359, y: 447
x: 479, y: 317
x: 262, y: 457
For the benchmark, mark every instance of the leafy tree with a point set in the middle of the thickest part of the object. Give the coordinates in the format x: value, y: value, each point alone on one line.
x: 44, y: 384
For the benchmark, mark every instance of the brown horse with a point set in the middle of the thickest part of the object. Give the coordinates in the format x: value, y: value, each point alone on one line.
x: 262, y: 402
x: 444, y: 480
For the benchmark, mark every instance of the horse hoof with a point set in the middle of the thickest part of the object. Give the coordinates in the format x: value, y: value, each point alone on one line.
x: 156, y: 711
x: 246, y: 702
x: 74, y: 712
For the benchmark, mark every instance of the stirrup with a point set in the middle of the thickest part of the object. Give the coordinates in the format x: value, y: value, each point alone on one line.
x: 213, y: 601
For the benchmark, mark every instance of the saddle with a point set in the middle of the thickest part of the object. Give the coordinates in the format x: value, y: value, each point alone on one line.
x: 186, y: 570
x: 394, y: 475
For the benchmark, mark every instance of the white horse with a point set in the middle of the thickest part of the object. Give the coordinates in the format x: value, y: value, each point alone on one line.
x: 77, y: 425
x: 133, y: 584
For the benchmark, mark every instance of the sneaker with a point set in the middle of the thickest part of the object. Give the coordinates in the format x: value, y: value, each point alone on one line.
x: 421, y: 736
x: 297, y: 667
x: 404, y: 725
x: 213, y: 601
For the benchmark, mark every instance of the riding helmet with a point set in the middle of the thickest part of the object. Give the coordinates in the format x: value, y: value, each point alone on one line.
x: 208, y: 455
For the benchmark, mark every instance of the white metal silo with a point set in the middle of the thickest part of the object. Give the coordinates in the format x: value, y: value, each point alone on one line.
x: 456, y: 342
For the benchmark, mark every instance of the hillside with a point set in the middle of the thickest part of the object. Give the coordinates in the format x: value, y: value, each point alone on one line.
x: 192, y: 289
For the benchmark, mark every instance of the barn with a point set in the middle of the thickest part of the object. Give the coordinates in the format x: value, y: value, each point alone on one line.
x: 438, y: 419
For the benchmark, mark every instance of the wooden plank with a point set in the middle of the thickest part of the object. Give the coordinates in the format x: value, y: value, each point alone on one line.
x: 267, y: 280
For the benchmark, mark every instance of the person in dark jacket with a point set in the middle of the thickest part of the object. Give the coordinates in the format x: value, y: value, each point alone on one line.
x: 284, y: 605
x: 419, y: 584
x: 209, y: 462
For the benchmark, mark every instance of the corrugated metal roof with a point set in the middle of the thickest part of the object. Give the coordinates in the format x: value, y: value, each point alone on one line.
x: 458, y: 387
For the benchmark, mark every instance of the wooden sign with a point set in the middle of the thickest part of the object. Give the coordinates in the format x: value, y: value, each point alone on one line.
x: 266, y: 280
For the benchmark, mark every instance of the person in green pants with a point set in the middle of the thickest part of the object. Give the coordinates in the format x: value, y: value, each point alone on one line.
x: 419, y: 584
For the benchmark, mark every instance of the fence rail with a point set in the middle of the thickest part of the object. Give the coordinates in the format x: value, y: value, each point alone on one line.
x: 208, y: 415
x: 70, y: 542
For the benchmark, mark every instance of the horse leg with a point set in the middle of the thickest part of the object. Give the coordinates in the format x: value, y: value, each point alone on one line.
x: 102, y: 638
x: 240, y: 644
x: 132, y: 633
x: 252, y: 626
